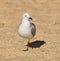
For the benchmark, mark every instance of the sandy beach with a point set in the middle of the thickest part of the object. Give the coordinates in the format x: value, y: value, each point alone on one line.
x: 46, y: 17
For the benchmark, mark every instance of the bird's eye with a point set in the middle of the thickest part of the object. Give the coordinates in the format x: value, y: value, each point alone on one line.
x: 25, y: 15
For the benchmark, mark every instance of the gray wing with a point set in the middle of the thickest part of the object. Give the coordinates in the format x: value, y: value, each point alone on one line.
x: 33, y: 29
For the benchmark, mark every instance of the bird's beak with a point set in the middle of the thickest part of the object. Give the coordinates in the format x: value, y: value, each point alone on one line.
x: 30, y: 18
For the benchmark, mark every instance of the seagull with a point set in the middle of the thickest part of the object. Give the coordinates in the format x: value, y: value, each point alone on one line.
x: 27, y: 29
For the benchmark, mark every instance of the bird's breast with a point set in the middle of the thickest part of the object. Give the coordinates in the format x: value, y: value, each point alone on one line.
x: 25, y: 31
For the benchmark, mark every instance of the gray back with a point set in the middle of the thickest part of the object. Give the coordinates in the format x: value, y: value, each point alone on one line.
x: 33, y: 29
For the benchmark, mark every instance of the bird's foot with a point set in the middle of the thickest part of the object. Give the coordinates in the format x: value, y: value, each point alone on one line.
x: 26, y: 49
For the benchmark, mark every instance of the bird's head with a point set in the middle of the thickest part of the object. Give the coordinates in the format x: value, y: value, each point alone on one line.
x: 26, y: 16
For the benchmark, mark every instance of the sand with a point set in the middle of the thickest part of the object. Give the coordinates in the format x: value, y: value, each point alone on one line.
x: 46, y: 16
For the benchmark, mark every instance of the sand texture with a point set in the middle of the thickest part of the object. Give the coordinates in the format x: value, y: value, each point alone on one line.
x: 46, y: 16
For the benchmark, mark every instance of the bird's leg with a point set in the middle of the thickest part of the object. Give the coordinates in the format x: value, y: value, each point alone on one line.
x: 28, y: 41
x: 28, y: 44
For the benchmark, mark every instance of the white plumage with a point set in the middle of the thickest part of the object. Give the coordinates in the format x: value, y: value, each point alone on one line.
x: 27, y: 29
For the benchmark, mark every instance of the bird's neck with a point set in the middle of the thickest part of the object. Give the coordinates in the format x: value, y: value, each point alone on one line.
x: 25, y: 22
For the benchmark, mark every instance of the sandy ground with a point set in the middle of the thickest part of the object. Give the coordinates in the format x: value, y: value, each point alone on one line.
x: 46, y: 16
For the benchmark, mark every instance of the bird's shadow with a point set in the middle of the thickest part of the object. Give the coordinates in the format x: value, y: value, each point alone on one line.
x: 36, y: 44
